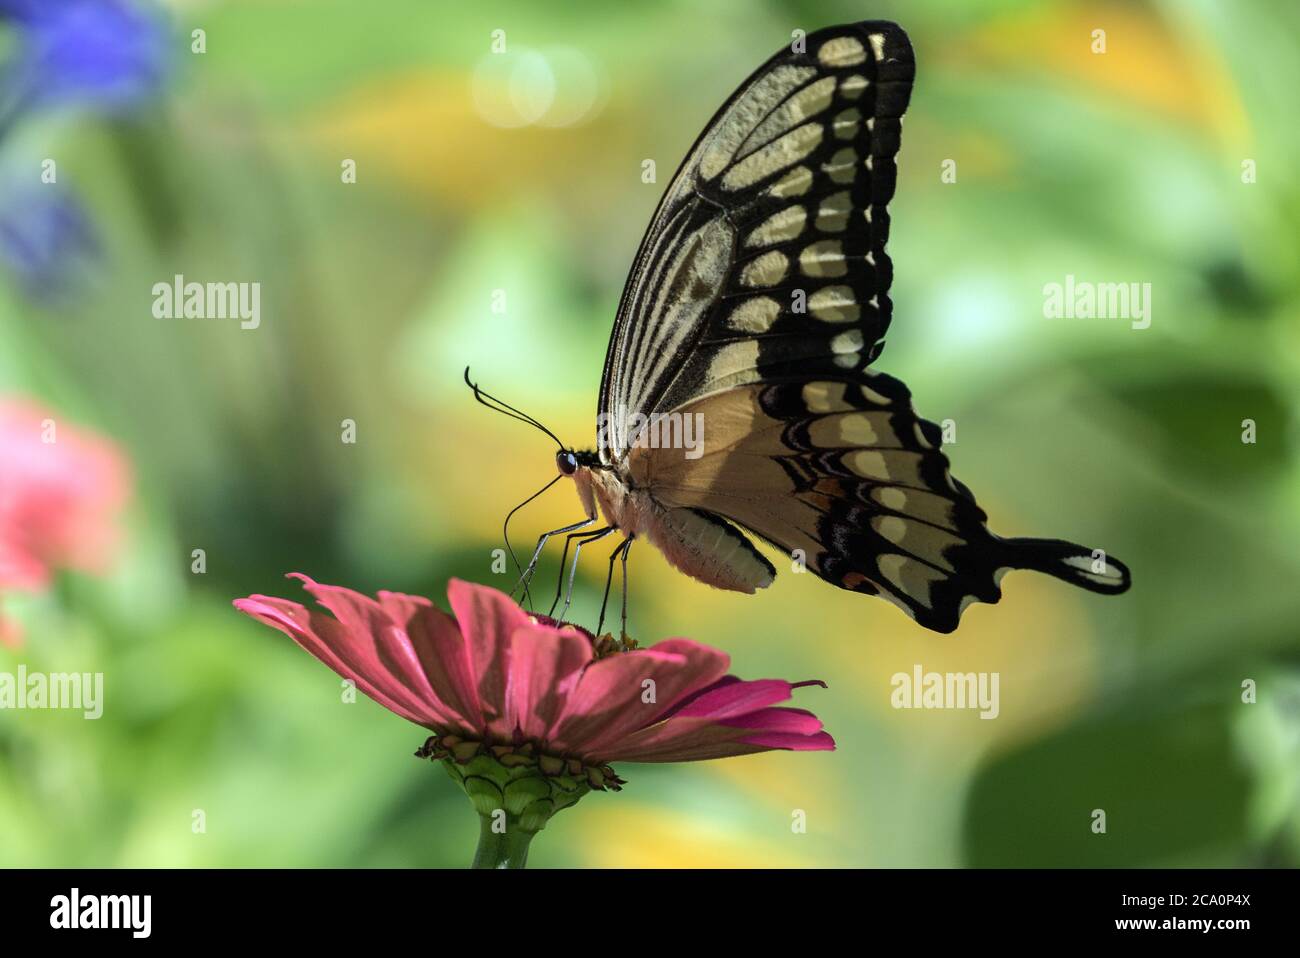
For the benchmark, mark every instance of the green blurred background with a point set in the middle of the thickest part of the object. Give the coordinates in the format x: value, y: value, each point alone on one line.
x: 522, y: 172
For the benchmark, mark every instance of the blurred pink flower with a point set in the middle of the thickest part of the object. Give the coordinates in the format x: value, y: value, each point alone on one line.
x: 495, y: 679
x: 61, y: 492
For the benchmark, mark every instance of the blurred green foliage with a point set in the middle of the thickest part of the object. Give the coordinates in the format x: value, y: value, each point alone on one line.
x: 1123, y: 167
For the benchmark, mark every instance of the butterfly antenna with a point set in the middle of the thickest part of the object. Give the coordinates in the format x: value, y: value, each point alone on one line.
x: 505, y: 534
x: 496, y: 405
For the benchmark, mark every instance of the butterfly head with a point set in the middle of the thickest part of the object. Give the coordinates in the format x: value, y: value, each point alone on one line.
x: 569, y: 461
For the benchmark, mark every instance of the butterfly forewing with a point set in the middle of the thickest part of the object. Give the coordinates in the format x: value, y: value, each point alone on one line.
x: 768, y: 248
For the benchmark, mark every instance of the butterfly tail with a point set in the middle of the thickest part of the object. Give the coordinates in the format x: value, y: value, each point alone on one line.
x: 1090, y: 569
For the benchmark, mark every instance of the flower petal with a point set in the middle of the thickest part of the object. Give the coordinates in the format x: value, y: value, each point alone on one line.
x: 329, y: 642
x: 387, y: 650
x: 545, y: 666
x: 487, y: 619
x: 614, y: 697
x: 441, y: 651
x: 793, y: 742
x: 799, y: 721
x: 689, y: 738
x: 731, y: 697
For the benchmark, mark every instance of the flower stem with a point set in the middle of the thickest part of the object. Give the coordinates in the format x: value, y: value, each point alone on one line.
x: 496, y: 849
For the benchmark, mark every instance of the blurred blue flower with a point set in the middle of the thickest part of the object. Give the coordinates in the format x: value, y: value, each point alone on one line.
x: 66, y: 56
x: 98, y: 54
x: 45, y: 236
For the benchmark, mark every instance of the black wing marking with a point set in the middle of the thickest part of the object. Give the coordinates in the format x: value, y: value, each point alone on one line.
x: 890, y: 518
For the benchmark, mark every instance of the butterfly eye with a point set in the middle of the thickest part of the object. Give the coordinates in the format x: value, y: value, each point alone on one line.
x: 567, y: 463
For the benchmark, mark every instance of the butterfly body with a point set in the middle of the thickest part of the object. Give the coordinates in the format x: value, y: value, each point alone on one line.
x: 696, y: 543
x: 753, y: 313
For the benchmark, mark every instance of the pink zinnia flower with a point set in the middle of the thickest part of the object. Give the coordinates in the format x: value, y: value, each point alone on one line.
x: 61, y: 491
x: 528, y: 714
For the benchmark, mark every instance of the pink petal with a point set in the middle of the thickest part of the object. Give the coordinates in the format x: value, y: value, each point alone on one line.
x: 545, y: 666
x: 609, y: 702
x: 369, y: 630
x: 731, y: 698
x: 793, y: 742
x: 321, y: 636
x: 441, y: 651
x: 798, y: 721
x: 688, y: 738
x: 487, y: 619
x: 19, y: 569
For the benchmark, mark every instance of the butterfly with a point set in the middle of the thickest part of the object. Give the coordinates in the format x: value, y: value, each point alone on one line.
x: 738, y: 394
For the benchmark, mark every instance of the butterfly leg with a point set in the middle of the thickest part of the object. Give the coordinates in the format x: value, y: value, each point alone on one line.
x: 564, y: 559
x: 627, y: 547
x: 541, y: 542
x: 573, y: 571
x: 620, y: 550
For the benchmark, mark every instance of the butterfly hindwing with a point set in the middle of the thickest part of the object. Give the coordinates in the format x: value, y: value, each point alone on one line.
x: 840, y: 473
x: 768, y: 247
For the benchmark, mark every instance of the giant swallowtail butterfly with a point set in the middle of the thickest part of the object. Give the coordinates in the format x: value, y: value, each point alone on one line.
x: 756, y: 305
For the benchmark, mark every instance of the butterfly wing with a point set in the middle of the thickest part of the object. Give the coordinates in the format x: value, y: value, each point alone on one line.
x: 768, y: 247
x: 757, y: 301
x: 840, y: 468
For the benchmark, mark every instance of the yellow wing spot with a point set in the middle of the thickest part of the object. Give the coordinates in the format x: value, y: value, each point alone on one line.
x: 782, y: 225
x: 877, y: 41
x: 808, y: 102
x: 891, y: 498
x: 820, y: 397
x: 794, y: 183
x: 754, y: 315
x: 868, y: 464
x: 842, y: 52
x: 759, y: 100
x: 920, y: 437
x: 841, y: 167
x: 777, y: 155
x: 833, y: 214
x: 871, y: 395
x: 734, y: 364
x: 766, y: 270
x: 912, y: 577
x: 846, y: 348
x: 846, y: 124
x: 858, y: 430
x: 890, y: 527
x: 844, y: 430
x: 825, y: 258
x: 835, y: 304
x: 853, y: 86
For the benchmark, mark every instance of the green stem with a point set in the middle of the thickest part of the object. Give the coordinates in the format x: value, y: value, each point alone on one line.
x: 508, y: 849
